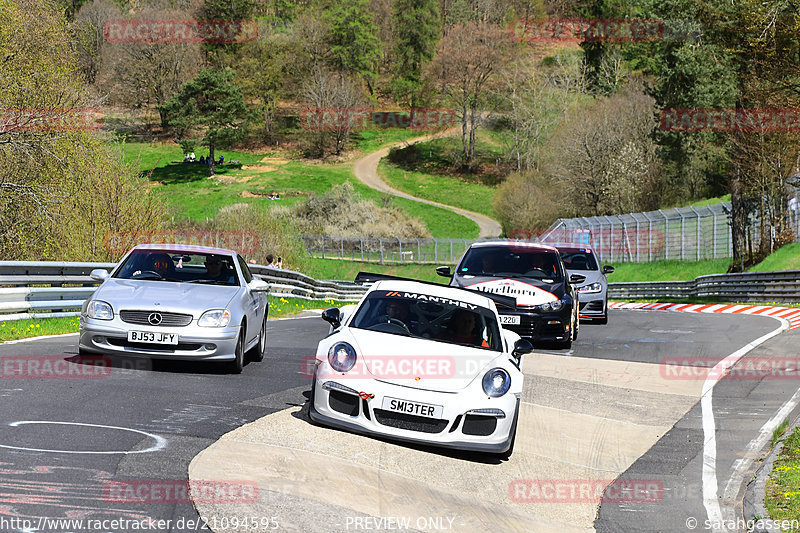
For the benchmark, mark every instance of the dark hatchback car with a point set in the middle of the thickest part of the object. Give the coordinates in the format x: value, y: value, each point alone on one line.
x: 534, y: 274
x: 593, y: 292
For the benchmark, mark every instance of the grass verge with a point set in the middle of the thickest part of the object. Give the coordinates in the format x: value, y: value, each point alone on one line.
x: 10, y: 330
x: 23, y: 329
x: 667, y: 270
x: 783, y: 486
x: 347, y: 270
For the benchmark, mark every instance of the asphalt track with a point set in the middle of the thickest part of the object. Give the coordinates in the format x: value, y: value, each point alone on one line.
x: 602, y: 411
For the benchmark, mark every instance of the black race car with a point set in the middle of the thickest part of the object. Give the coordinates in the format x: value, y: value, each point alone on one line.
x: 532, y: 273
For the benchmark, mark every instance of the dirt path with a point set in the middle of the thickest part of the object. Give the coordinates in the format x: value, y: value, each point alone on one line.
x: 366, y: 170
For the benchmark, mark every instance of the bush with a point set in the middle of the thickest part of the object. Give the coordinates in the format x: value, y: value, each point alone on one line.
x: 341, y: 212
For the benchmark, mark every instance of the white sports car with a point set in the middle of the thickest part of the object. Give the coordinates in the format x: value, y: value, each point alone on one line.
x: 421, y: 362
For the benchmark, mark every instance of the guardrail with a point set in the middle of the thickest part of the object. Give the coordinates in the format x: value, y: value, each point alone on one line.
x: 39, y: 289
x: 780, y: 286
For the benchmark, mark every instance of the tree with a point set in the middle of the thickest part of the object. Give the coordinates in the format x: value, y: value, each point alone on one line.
x: 466, y: 62
x: 417, y: 26
x: 213, y: 101
x: 49, y: 158
x: 332, y: 94
x: 604, y: 157
x: 353, y: 41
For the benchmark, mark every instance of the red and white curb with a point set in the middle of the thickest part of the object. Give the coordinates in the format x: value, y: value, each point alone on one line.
x: 790, y: 314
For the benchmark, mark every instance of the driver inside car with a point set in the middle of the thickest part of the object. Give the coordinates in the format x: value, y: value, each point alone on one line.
x: 217, y: 271
x: 398, y: 310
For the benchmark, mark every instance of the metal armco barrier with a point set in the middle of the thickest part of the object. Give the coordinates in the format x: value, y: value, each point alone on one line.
x: 40, y: 289
x: 767, y: 287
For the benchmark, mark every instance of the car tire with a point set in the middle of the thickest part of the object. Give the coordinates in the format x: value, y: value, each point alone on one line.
x: 256, y: 353
x: 576, y: 328
x: 237, y: 364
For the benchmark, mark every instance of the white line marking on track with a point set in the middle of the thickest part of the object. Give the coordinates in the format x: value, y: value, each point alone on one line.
x: 160, y: 442
x: 710, y: 491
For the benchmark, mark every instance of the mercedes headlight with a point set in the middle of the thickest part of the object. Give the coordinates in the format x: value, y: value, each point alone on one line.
x: 496, y: 382
x: 342, y: 357
x: 592, y: 287
x: 100, y: 310
x: 215, y: 318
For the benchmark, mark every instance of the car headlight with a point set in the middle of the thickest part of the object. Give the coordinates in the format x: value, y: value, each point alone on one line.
x: 215, y: 318
x: 496, y: 382
x: 342, y: 357
x: 592, y: 287
x: 550, y: 306
x: 100, y: 310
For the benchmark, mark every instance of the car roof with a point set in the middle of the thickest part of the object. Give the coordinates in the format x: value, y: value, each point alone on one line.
x: 516, y: 244
x: 430, y: 289
x: 186, y: 248
x: 573, y: 247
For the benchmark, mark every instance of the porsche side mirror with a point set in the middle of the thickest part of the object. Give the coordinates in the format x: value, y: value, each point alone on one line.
x: 99, y: 274
x: 332, y: 316
x: 521, y: 347
x: 444, y: 271
x: 575, y: 279
x: 608, y: 269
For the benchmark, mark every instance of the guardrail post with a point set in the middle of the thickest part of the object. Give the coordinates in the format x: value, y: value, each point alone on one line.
x: 380, y: 244
x: 323, y: 246
x: 400, y: 247
x: 419, y: 252
x: 361, y: 245
x: 435, y: 250
x: 341, y: 248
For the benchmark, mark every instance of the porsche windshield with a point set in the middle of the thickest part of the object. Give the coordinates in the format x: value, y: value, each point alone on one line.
x: 429, y: 317
x: 511, y: 261
x: 177, y: 266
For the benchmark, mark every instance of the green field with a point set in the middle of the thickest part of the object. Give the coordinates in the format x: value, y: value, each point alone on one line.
x: 189, y: 193
x: 442, y: 189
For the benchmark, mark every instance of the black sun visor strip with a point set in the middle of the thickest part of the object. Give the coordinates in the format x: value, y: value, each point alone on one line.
x: 500, y: 300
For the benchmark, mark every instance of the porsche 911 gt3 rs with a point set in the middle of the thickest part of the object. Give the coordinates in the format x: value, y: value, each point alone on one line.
x: 421, y: 362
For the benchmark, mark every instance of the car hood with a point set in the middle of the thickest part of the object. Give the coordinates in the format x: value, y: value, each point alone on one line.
x: 420, y: 363
x: 528, y: 291
x: 186, y: 298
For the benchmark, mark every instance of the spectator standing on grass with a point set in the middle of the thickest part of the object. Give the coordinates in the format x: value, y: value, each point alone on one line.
x: 221, y: 159
x: 192, y: 157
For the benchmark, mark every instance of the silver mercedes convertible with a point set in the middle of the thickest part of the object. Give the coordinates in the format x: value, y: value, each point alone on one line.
x: 177, y: 302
